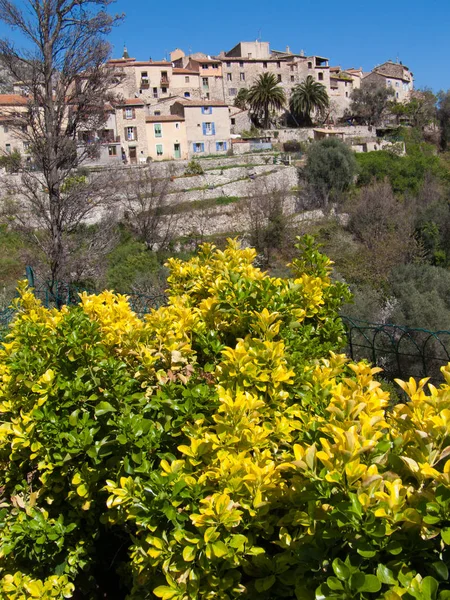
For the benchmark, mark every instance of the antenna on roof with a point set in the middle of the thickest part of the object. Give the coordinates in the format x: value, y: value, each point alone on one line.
x: 258, y: 39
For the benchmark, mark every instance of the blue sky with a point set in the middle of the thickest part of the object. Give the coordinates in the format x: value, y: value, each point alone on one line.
x: 351, y: 33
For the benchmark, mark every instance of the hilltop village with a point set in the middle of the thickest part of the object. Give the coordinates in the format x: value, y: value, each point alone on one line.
x: 186, y: 107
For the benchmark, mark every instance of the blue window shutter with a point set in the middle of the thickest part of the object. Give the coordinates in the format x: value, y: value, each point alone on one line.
x: 203, y: 147
x: 217, y: 146
x: 204, y: 128
x: 203, y: 110
x: 224, y: 145
x: 213, y: 128
x: 195, y: 147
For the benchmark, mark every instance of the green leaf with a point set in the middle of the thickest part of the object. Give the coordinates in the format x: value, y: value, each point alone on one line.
x: 189, y: 553
x: 371, y: 584
x: 103, y: 408
x: 429, y: 588
x: 165, y: 592
x: 340, y: 569
x: 265, y: 583
x: 441, y: 569
x: 385, y: 575
x: 445, y: 534
x: 219, y: 549
x: 356, y: 580
x: 334, y: 584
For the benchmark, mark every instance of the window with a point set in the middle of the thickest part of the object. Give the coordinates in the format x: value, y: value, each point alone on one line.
x: 250, y: 55
x: 187, y: 94
x: 232, y: 91
x: 233, y: 121
x: 177, y: 126
x: 8, y: 148
x: 228, y: 64
x: 292, y: 78
x: 128, y: 113
x: 310, y: 65
x: 199, y: 147
x: 389, y: 82
x: 144, y: 74
x: 242, y: 76
x: 5, y: 128
x: 130, y: 134
x: 112, y: 150
x: 346, y: 83
x: 158, y: 130
x: 264, y: 65
x: 215, y: 66
x: 292, y: 67
x: 155, y: 92
x: 221, y: 146
x: 204, y: 66
x: 26, y: 146
x: 241, y: 64
x: 164, y: 90
x: 206, y: 110
x: 186, y: 79
x: 320, y: 76
x: 346, y: 94
x: 207, y: 95
x: 205, y: 82
x: 397, y: 84
x: 157, y: 113
x: 279, y: 78
x: 229, y: 77
x: 396, y: 94
x: 159, y: 149
x: 278, y: 64
x: 209, y: 129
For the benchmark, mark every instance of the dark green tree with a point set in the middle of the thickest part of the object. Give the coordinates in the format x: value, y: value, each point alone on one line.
x: 370, y: 102
x: 308, y: 97
x: 443, y: 115
x: 241, y: 100
x: 330, y: 168
x: 265, y: 95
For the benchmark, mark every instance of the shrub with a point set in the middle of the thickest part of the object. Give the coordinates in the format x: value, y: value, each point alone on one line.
x: 210, y: 452
x: 193, y: 168
x: 292, y: 146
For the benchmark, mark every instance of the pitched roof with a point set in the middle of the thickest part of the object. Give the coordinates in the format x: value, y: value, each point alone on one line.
x: 180, y: 71
x: 131, y: 102
x: 163, y: 118
x: 201, y: 103
x: 13, y: 100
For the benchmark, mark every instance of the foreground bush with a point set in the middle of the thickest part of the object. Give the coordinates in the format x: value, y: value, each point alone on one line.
x: 217, y: 449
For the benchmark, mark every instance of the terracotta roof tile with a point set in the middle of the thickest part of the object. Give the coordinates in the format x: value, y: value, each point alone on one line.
x: 131, y: 102
x: 163, y: 119
x: 202, y: 103
x: 13, y: 100
x: 179, y: 71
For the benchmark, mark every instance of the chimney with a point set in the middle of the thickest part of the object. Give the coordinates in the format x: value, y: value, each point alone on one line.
x: 288, y: 50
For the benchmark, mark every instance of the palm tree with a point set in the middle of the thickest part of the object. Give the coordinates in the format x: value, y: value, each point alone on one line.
x: 308, y: 97
x: 264, y: 95
x: 241, y: 99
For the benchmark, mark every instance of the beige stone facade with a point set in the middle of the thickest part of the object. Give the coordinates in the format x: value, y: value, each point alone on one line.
x: 11, y: 124
x: 207, y: 126
x: 131, y: 128
x: 395, y: 76
x: 166, y: 137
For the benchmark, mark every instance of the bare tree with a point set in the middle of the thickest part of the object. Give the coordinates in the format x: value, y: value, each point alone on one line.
x: 67, y: 87
x: 268, y: 225
x: 145, y: 198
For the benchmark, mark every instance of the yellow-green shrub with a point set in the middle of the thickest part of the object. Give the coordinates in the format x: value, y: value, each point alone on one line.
x: 218, y: 448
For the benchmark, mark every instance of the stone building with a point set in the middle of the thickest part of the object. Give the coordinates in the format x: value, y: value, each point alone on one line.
x: 244, y: 63
x: 166, y: 137
x: 131, y: 126
x: 395, y: 76
x: 207, y: 125
x: 11, y: 123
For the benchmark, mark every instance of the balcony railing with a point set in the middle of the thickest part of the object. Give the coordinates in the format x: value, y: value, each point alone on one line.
x: 145, y: 84
x: 164, y: 81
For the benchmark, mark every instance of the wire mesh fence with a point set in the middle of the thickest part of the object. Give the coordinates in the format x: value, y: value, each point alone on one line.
x: 400, y: 351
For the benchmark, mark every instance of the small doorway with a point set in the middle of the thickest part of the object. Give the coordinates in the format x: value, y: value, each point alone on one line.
x: 133, y: 156
x: 177, y: 150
